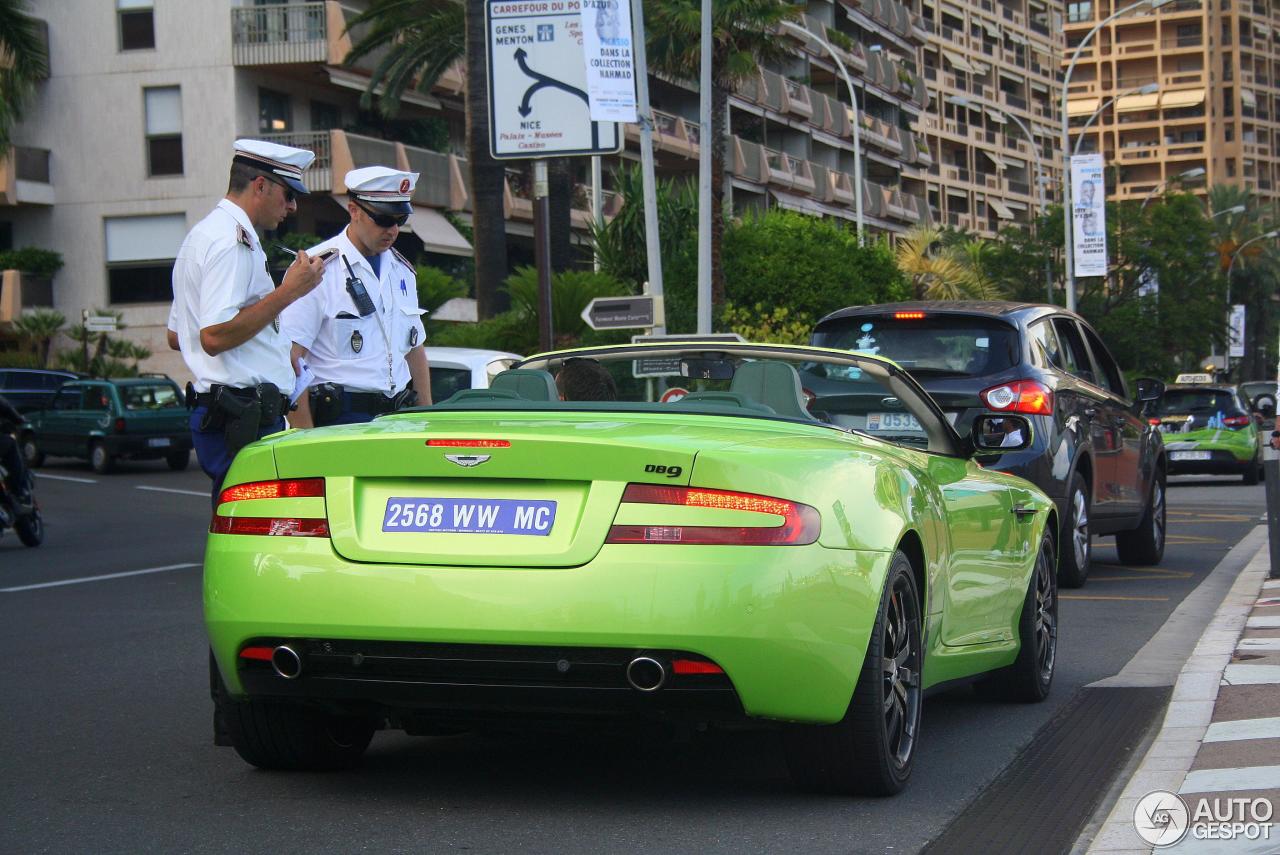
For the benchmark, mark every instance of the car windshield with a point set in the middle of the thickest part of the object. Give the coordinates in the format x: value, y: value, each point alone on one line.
x: 937, y: 345
x: 762, y: 381
x: 445, y: 380
x: 1198, y: 401
x: 152, y: 396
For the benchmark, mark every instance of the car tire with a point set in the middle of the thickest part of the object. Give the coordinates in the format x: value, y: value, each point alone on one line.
x: 31, y: 453
x: 1253, y: 474
x: 871, y: 750
x: 1145, y: 544
x: 1030, y: 677
x: 1077, y: 544
x: 178, y: 461
x: 100, y: 459
x: 295, y: 738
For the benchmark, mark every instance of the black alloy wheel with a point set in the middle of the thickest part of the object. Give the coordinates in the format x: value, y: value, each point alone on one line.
x: 1145, y: 544
x: 1077, y: 542
x: 1030, y: 677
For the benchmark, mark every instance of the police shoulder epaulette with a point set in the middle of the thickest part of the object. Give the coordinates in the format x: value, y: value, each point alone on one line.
x: 242, y: 236
x: 403, y: 260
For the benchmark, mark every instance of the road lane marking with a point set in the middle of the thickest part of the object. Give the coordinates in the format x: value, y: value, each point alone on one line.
x: 1226, y: 780
x: 104, y: 577
x: 1248, y: 645
x: 1263, y: 622
x: 1101, y: 597
x: 1193, y: 518
x: 201, y: 493
x: 1189, y: 538
x: 1247, y: 674
x: 66, y: 478
x: 1249, y: 728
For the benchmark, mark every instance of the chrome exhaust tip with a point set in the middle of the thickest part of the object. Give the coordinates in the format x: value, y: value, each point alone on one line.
x: 286, y: 662
x: 646, y: 674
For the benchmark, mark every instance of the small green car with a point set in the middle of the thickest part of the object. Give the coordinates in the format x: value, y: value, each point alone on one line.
x: 102, y: 421
x: 1208, y: 430
x: 791, y: 536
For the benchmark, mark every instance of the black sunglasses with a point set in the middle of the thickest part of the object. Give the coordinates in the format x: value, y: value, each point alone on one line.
x: 384, y: 221
x: 289, y: 195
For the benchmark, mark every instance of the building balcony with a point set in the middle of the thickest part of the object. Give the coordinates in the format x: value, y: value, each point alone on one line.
x: 288, y: 33
x: 25, y: 178
x: 671, y: 133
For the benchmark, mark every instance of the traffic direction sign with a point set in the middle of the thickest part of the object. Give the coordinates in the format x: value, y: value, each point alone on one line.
x: 100, y: 323
x: 620, y: 313
x: 538, y: 104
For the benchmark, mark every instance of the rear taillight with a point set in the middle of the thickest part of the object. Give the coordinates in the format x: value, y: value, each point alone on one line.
x: 801, y: 524
x: 297, y: 488
x: 1020, y: 396
x: 120, y: 425
x: 1153, y: 422
x: 1236, y: 421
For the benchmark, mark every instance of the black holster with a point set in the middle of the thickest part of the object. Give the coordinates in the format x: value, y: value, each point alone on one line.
x: 242, y: 413
x: 326, y: 403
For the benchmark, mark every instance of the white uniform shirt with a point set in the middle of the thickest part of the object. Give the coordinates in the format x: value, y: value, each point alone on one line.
x: 221, y: 268
x: 363, y: 354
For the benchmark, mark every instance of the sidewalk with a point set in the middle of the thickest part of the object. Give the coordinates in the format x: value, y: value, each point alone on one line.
x: 1220, y: 739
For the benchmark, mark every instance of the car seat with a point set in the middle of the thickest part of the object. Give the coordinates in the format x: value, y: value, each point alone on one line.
x: 774, y: 384
x: 529, y: 383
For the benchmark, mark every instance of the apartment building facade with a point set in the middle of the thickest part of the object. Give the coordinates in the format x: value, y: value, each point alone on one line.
x: 1209, y: 74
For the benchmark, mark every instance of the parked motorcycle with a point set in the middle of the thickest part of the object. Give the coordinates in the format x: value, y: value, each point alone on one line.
x: 24, y: 519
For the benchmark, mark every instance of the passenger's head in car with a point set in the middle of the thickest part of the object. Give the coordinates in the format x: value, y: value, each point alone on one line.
x: 582, y: 379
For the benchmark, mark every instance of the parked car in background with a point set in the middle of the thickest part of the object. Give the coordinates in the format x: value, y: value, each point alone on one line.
x: 456, y: 368
x: 30, y: 388
x: 1208, y: 429
x: 1093, y: 450
x: 102, y: 421
x: 1260, y: 395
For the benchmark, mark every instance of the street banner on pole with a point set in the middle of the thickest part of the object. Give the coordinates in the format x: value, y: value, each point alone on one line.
x: 1089, y: 215
x: 610, y: 64
x: 538, y: 105
x: 1236, y: 327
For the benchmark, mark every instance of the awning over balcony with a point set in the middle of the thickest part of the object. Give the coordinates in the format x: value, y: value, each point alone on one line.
x: 1002, y: 211
x: 958, y: 62
x: 1082, y: 106
x: 1137, y: 103
x: 1248, y: 99
x: 1015, y: 37
x: 1182, y: 98
x: 994, y: 158
x: 996, y: 115
x: 802, y: 204
x: 992, y: 29
x: 437, y: 233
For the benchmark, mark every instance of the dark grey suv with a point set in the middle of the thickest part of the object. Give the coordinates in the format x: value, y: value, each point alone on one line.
x: 1093, y: 450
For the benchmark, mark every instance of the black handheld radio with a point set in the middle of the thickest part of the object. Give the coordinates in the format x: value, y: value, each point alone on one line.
x: 364, y: 303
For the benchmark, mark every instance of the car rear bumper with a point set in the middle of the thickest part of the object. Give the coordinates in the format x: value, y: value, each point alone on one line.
x: 1220, y: 462
x: 788, y: 625
x: 141, y: 445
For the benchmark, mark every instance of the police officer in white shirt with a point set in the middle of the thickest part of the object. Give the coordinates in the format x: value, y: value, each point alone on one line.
x: 361, y: 331
x: 226, y: 307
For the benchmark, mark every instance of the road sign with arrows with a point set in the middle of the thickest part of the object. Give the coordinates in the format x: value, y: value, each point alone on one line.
x: 538, y: 83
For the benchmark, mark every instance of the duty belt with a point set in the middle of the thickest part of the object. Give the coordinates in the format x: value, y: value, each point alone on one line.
x: 373, y: 403
x: 205, y: 399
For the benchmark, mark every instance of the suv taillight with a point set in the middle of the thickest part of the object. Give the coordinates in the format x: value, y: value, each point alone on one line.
x: 1020, y: 396
x: 1236, y: 422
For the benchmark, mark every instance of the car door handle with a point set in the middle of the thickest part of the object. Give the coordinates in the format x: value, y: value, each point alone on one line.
x: 1023, y: 511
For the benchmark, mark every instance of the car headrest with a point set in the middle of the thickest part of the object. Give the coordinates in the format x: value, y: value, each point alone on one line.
x: 774, y: 384
x: 528, y: 383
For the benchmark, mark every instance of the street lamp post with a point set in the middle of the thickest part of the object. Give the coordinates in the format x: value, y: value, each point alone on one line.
x: 857, y: 120
x: 1066, y: 144
x: 1145, y: 89
x: 1190, y: 174
x: 1230, y: 267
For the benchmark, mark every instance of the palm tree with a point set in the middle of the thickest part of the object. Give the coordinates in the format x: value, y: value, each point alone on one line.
x: 39, y: 329
x: 934, y: 271
x: 421, y: 40
x: 745, y: 35
x: 26, y: 61
x: 1255, y: 276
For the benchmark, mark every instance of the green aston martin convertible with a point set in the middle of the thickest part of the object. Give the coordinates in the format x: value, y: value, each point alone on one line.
x: 698, y: 532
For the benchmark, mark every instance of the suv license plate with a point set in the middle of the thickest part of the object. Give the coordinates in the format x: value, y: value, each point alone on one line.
x: 158, y: 442
x: 893, y: 421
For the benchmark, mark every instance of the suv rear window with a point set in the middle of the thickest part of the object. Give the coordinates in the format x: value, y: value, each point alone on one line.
x: 938, y: 346
x: 160, y: 396
x: 1178, y: 402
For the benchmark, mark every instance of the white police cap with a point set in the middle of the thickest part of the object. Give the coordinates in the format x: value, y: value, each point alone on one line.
x: 381, y: 189
x: 283, y: 161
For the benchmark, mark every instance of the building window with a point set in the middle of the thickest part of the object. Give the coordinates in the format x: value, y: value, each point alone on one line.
x: 325, y: 117
x: 274, y: 115
x: 136, y: 22
x: 164, y: 130
x: 140, y: 254
x: 1080, y: 11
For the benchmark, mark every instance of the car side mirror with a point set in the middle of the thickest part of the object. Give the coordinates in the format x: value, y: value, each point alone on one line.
x: 1149, y: 389
x: 993, y: 433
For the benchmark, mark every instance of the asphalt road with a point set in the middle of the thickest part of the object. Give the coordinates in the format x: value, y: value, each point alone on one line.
x: 106, y: 742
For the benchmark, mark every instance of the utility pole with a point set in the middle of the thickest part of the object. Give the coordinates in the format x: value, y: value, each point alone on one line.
x: 645, y: 115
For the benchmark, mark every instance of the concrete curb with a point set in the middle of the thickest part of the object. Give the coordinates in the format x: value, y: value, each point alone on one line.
x: 1174, y: 749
